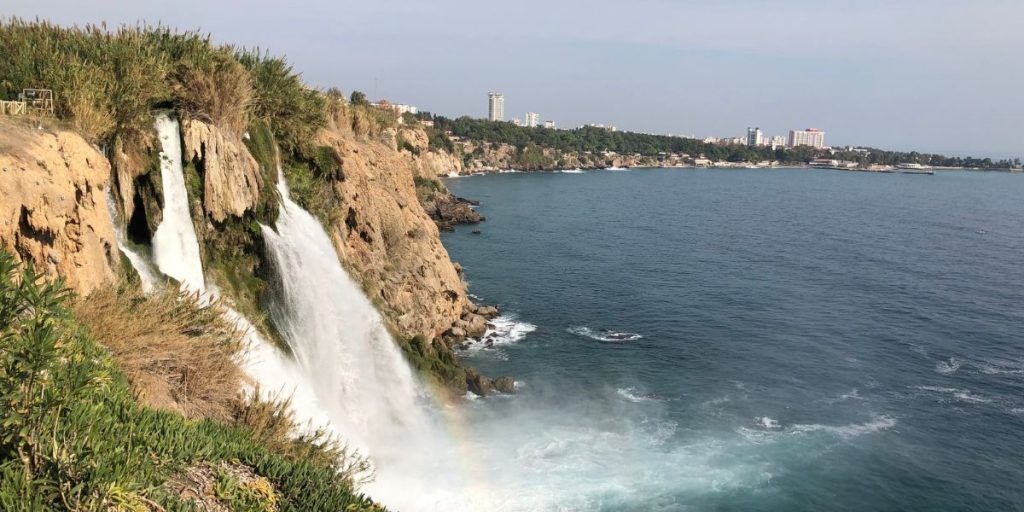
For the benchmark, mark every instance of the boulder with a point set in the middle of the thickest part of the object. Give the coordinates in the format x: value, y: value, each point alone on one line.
x: 475, y: 325
x: 487, y: 312
x: 505, y: 385
x: 478, y: 384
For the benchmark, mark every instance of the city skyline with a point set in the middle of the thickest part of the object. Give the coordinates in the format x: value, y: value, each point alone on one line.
x: 932, y: 76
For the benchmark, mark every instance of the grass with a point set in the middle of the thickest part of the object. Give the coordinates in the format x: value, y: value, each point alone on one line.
x: 177, y: 354
x: 74, y: 437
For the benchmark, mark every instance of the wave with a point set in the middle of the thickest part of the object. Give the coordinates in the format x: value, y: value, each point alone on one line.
x: 636, y: 396
x: 766, y: 429
x: 571, y: 171
x: 508, y: 171
x: 616, y: 169
x: 606, y: 335
x: 1001, y: 368
x: 960, y: 395
x: 948, y: 367
x: 501, y: 330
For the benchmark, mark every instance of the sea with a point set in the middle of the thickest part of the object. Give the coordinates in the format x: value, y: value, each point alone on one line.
x: 741, y: 339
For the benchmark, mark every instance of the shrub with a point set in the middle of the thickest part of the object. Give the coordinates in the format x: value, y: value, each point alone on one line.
x: 72, y: 436
x: 177, y: 353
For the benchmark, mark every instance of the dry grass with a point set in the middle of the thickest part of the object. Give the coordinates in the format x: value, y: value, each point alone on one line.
x: 177, y: 354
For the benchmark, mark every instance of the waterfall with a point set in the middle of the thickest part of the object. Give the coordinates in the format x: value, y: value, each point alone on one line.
x: 147, y: 275
x: 361, y: 380
x: 337, y: 336
x: 176, y: 252
x: 175, y: 246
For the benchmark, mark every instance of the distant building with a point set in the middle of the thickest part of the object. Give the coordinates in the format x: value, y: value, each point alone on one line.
x: 755, y: 137
x: 516, y: 121
x: 812, y: 137
x: 549, y: 124
x: 397, y: 107
x: 532, y: 119
x: 495, y: 106
x: 778, y: 141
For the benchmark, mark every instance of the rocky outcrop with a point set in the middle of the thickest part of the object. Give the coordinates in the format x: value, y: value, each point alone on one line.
x: 447, y: 210
x: 53, y: 210
x: 386, y: 238
x: 232, y: 181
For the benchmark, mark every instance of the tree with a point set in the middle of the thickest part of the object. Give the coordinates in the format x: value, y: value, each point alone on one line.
x: 358, y: 98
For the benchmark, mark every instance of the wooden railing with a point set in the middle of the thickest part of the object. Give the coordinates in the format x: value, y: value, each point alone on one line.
x: 13, y: 108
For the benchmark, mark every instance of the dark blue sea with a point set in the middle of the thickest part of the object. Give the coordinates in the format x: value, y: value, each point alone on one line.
x: 797, y: 340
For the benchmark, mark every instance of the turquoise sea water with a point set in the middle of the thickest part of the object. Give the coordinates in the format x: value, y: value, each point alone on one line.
x: 751, y: 339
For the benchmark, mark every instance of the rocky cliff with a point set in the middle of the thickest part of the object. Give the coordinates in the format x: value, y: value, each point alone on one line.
x: 53, y: 210
x: 384, y: 235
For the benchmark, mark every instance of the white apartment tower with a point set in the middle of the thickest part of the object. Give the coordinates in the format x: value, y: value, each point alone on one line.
x: 812, y: 137
x: 495, y: 106
x: 755, y: 137
x: 532, y: 119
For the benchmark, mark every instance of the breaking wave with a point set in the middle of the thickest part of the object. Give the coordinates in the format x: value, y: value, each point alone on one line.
x: 766, y: 429
x: 948, y: 367
x: 607, y: 335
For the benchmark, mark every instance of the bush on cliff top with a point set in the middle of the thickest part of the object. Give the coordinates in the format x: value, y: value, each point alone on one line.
x: 72, y: 436
x: 107, y: 81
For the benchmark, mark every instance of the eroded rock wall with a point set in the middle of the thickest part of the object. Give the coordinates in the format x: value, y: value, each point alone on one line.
x: 53, y: 209
x: 384, y: 235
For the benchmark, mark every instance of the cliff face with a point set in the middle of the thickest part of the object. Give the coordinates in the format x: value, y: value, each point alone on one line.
x: 385, y: 236
x: 52, y: 206
x: 54, y: 213
x: 232, y: 181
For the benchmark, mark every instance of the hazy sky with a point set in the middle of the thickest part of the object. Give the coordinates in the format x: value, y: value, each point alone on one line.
x: 932, y: 75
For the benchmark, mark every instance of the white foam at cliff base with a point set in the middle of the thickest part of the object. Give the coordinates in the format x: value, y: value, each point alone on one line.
x: 502, y: 330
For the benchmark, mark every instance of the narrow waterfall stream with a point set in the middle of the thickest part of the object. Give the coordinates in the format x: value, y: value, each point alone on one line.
x: 175, y: 246
x: 147, y: 274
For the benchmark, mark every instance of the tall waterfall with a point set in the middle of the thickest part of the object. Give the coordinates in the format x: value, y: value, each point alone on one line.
x: 340, y: 342
x: 347, y: 374
x: 175, y: 246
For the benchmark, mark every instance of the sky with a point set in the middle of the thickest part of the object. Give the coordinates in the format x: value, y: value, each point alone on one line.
x: 929, y: 75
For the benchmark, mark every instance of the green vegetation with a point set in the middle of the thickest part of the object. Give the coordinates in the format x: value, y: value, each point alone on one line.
x: 596, y: 141
x: 435, y: 362
x: 73, y: 436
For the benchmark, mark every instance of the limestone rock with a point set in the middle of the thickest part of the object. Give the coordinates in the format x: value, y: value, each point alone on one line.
x: 232, y: 180
x: 487, y: 312
x: 504, y: 385
x: 395, y: 252
x: 53, y: 210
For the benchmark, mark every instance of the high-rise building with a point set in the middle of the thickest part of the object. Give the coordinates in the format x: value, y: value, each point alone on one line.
x: 754, y: 137
x: 778, y: 141
x: 532, y: 119
x: 812, y: 137
x: 495, y: 106
x: 549, y: 124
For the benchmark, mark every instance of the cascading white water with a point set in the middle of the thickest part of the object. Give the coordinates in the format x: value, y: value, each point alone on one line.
x: 175, y: 246
x: 176, y: 252
x: 147, y: 275
x: 339, y: 341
